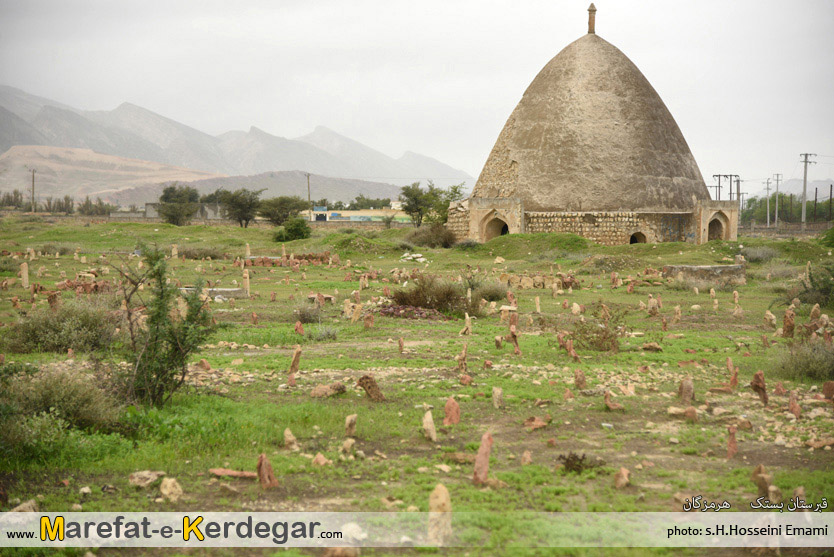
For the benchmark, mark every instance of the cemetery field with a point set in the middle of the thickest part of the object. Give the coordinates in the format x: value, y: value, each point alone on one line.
x: 652, y: 451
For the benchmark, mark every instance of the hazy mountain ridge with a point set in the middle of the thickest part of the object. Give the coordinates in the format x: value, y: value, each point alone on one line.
x: 80, y: 172
x: 134, y: 132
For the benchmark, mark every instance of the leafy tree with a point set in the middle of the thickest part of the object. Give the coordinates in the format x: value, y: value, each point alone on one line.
x: 214, y: 197
x: 416, y: 202
x: 294, y: 229
x: 362, y: 202
x: 179, y: 194
x: 321, y: 202
x: 178, y: 204
x: 337, y: 206
x: 280, y: 209
x: 97, y: 208
x: 241, y: 205
x: 440, y: 200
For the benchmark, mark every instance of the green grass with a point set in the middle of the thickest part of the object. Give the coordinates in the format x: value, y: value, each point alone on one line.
x: 228, y: 423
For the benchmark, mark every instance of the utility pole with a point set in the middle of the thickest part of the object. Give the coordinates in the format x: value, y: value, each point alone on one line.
x: 738, y: 191
x: 718, y: 187
x: 816, y: 190
x: 767, y: 188
x: 309, y: 199
x: 806, y: 162
x: 778, y: 178
x: 33, y: 190
x: 830, y: 195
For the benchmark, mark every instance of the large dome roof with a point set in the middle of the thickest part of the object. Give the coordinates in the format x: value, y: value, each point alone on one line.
x: 592, y: 134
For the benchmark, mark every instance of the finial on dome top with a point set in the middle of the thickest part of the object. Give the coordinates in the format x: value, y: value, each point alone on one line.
x: 592, y: 12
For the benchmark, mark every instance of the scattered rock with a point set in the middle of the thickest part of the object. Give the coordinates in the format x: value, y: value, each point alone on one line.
x: 320, y: 460
x: 452, y: 410
x: 265, y: 473
x: 350, y: 425
x: 30, y: 506
x: 368, y: 383
x: 325, y: 391
x: 290, y: 442
x: 526, y: 458
x: 758, y: 386
x: 170, y: 489
x: 732, y: 446
x: 622, y: 478
x: 497, y: 398
x: 144, y: 478
x: 428, y: 427
x: 440, y: 516
x: 482, y: 460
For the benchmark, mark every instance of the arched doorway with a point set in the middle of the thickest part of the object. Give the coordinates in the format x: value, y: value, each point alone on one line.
x: 716, y: 229
x: 495, y: 227
x: 637, y: 238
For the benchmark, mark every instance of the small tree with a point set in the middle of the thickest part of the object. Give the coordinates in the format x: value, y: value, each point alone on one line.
x: 416, y: 203
x: 162, y: 340
x: 294, y: 229
x: 440, y: 199
x: 241, y: 205
x: 178, y: 204
x: 280, y: 209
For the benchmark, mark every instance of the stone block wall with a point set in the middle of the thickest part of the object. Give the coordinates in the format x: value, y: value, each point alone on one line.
x: 458, y: 221
x: 614, y: 227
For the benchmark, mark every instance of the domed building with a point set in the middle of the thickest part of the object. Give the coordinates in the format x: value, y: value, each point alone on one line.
x: 591, y: 149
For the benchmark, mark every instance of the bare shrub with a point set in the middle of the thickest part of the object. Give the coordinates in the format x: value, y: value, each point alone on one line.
x: 490, y: 291
x: 432, y: 236
x: 324, y: 333
x: 306, y: 312
x: 201, y: 253
x: 761, y: 254
x: 442, y: 295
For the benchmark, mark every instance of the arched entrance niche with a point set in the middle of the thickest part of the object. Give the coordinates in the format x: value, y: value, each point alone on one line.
x: 495, y: 227
x: 718, y: 228
x: 637, y: 238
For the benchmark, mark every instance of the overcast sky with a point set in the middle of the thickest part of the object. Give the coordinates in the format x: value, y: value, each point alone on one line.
x: 751, y: 84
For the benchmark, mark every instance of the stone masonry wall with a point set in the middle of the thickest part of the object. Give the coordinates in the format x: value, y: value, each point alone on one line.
x: 458, y: 222
x: 613, y: 228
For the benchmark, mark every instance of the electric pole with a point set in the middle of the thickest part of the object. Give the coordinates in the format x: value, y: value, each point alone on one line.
x: 718, y: 187
x: 778, y: 178
x: 767, y: 188
x: 33, y: 190
x: 309, y: 199
x: 738, y: 191
x: 805, y: 162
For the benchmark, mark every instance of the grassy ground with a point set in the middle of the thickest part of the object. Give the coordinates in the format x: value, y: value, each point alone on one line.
x: 227, y: 418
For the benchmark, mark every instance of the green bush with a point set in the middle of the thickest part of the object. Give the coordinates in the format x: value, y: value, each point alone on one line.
x: 294, y: 229
x: 812, y: 361
x: 71, y: 395
x: 84, y: 324
x: 432, y: 236
x: 60, y: 249
x: 39, y: 409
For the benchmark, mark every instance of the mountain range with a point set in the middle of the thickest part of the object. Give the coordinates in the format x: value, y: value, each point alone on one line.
x: 133, y: 132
